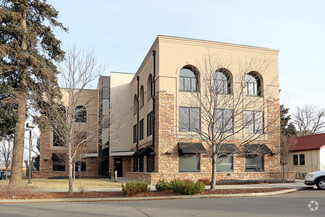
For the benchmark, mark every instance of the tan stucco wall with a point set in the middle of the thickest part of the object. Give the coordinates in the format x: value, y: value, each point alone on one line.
x: 120, y: 112
x: 312, y: 159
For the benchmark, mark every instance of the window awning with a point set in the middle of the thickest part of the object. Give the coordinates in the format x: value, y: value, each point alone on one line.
x: 143, y: 151
x: 191, y: 148
x: 253, y: 149
x: 228, y: 149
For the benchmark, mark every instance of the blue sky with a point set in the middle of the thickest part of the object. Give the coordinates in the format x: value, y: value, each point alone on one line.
x: 121, y: 32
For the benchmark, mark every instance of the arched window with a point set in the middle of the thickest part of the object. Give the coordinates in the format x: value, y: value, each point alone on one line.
x: 253, y: 84
x: 135, y: 104
x: 81, y: 114
x: 188, y: 79
x: 149, y: 87
x: 141, y: 96
x: 222, y: 82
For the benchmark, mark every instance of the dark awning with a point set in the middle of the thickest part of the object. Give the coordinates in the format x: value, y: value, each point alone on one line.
x: 253, y: 149
x: 191, y: 148
x: 143, y: 151
x: 228, y: 149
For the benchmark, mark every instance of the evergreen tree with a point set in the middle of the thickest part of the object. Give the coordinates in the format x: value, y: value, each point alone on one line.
x: 28, y: 53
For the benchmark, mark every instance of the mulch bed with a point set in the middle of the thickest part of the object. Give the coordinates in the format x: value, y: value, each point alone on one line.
x: 30, y: 193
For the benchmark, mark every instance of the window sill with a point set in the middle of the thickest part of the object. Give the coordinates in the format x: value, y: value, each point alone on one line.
x: 189, y: 91
x: 189, y: 171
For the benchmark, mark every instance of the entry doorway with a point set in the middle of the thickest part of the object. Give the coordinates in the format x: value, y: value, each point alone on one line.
x: 118, y: 165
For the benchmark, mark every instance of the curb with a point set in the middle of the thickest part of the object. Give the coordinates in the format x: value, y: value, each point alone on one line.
x: 147, y: 198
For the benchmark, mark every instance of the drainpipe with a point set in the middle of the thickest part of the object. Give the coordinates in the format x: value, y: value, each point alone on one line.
x: 153, y: 98
x: 137, y: 128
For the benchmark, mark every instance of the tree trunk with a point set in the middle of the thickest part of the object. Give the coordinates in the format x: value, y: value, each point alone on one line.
x: 70, y: 170
x: 18, y: 149
x: 214, y: 169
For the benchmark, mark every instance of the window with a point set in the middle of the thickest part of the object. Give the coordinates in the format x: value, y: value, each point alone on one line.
x: 188, y: 80
x: 301, y: 159
x: 57, y: 141
x: 150, y: 163
x: 134, y: 133
x: 224, y: 163
x: 149, y: 86
x: 189, y: 119
x: 135, y: 104
x: 82, y: 166
x: 141, y: 96
x: 254, y: 163
x: 222, y: 82
x: 141, y: 163
x: 149, y: 124
x: 80, y: 139
x: 252, y: 84
x: 58, y: 162
x: 81, y: 114
x: 189, y: 163
x: 254, y: 122
x: 295, y: 159
x: 224, y: 120
x: 135, y: 164
x: 141, y: 129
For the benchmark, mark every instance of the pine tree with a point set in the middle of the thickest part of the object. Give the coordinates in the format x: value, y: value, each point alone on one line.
x: 28, y: 53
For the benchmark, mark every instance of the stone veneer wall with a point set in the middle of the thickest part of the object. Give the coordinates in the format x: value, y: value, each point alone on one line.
x: 166, y: 159
x: 46, y: 163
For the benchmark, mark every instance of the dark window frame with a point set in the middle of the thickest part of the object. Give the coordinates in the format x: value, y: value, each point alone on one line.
x: 149, y: 124
x: 257, y: 91
x: 59, y: 164
x: 141, y: 163
x: 232, y: 163
x: 189, y: 128
x: 80, y: 114
x: 198, y: 160
x: 295, y: 160
x: 83, y: 166
x: 223, y: 127
x: 302, y: 159
x: 135, y: 134
x: 254, y: 170
x: 56, y: 140
x: 141, y: 136
x: 225, y: 82
x: 135, y: 164
x: 192, y: 79
x: 254, y: 122
x: 150, y: 163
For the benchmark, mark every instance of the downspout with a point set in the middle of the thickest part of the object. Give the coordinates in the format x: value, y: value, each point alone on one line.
x: 137, y: 128
x: 153, y: 98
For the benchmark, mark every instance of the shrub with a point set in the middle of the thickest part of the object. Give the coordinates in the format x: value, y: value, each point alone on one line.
x: 187, y: 187
x: 205, y: 181
x: 163, y: 185
x: 134, y: 187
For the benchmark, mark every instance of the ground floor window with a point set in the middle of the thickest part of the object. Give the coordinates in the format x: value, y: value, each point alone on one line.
x: 135, y: 164
x: 189, y: 163
x: 254, y: 163
x: 150, y: 163
x: 82, y: 166
x: 58, y: 162
x: 141, y: 162
x: 225, y: 163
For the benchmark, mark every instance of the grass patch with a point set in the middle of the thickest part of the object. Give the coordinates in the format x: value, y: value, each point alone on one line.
x: 64, y: 183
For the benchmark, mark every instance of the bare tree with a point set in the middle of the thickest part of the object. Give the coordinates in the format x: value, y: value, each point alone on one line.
x: 65, y: 116
x: 225, y: 110
x: 6, y: 153
x: 309, y: 120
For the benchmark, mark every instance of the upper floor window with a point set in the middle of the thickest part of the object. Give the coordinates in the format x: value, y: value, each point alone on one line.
x: 150, y: 120
x: 299, y: 159
x: 141, y: 129
x: 188, y: 79
x: 224, y: 120
x: 222, y: 83
x: 57, y: 141
x: 189, y: 119
x: 253, y: 84
x: 135, y: 104
x: 81, y: 114
x: 254, y: 122
x: 141, y: 96
x: 149, y: 86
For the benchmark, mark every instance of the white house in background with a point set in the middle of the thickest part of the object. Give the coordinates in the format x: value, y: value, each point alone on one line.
x: 307, y: 154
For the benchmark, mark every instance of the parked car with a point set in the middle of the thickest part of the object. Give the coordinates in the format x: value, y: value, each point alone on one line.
x: 317, y: 178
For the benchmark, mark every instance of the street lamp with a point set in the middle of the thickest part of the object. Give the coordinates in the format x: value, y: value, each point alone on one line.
x: 30, y: 127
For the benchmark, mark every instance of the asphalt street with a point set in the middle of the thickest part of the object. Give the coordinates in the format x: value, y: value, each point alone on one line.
x: 307, y: 202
